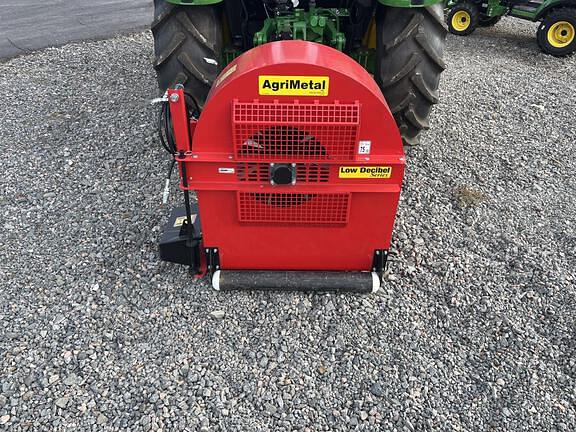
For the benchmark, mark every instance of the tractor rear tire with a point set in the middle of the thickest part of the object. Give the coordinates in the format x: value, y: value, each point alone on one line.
x: 410, y: 48
x: 485, y: 21
x: 187, y: 47
x: 556, y: 34
x: 463, y: 18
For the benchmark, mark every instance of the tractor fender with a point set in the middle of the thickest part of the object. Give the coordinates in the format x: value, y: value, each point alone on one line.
x: 549, y: 6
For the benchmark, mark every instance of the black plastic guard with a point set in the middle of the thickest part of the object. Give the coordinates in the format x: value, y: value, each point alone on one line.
x: 179, y: 245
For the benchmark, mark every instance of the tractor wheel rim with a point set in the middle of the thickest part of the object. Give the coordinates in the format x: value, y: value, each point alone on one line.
x: 461, y: 20
x: 561, y: 34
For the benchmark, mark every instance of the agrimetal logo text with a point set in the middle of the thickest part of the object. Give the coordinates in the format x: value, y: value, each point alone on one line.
x: 273, y: 85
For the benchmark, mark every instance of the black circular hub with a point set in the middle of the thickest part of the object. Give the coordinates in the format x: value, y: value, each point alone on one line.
x: 282, y: 174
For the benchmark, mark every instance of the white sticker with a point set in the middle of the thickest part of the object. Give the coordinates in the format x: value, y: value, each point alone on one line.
x: 226, y: 170
x: 180, y: 220
x: 364, y: 147
x: 225, y: 75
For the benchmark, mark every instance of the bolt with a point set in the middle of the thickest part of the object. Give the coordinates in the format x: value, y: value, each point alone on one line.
x: 174, y: 97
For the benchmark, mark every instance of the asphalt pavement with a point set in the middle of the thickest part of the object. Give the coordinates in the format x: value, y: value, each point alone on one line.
x: 28, y: 25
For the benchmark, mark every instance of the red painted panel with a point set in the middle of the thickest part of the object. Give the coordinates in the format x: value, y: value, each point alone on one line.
x: 323, y: 221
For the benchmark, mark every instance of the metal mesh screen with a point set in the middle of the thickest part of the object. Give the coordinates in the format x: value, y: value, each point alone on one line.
x: 317, y: 208
x: 295, y: 131
x: 260, y: 172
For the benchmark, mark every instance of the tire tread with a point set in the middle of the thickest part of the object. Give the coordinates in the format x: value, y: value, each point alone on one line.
x: 410, y: 49
x: 561, y: 13
x: 183, y: 37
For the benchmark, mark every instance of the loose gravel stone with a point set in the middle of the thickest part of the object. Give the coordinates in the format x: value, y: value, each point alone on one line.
x: 481, y: 286
x: 62, y: 402
x: 377, y: 390
x: 70, y: 380
x: 218, y: 314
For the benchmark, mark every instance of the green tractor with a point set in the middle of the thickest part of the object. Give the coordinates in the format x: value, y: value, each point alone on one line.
x: 556, y: 34
x: 401, y: 42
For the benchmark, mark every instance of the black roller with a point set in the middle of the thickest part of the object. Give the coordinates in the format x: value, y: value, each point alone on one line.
x: 311, y: 281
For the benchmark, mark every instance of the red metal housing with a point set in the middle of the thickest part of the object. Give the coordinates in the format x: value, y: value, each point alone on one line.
x: 329, y: 124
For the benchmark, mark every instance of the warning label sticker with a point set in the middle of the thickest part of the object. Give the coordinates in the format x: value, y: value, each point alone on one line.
x: 181, y: 219
x: 365, y: 172
x: 225, y: 75
x: 364, y: 147
x: 277, y: 85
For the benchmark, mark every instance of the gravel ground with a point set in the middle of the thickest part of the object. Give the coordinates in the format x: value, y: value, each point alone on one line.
x: 474, y: 330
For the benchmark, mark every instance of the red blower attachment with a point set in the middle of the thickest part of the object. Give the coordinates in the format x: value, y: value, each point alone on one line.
x: 297, y: 164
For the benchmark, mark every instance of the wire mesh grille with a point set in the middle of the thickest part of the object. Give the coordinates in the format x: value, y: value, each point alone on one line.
x: 260, y: 172
x: 253, y: 172
x: 318, y: 208
x: 312, y: 173
x: 294, y: 130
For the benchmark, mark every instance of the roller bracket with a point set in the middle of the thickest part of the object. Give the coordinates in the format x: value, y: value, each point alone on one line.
x: 380, y: 262
x: 212, y: 260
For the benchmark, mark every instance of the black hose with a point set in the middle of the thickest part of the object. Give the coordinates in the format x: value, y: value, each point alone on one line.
x: 161, y: 128
x: 165, y: 130
x: 171, y: 169
x: 194, y: 114
x: 168, y: 142
x: 166, y: 133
